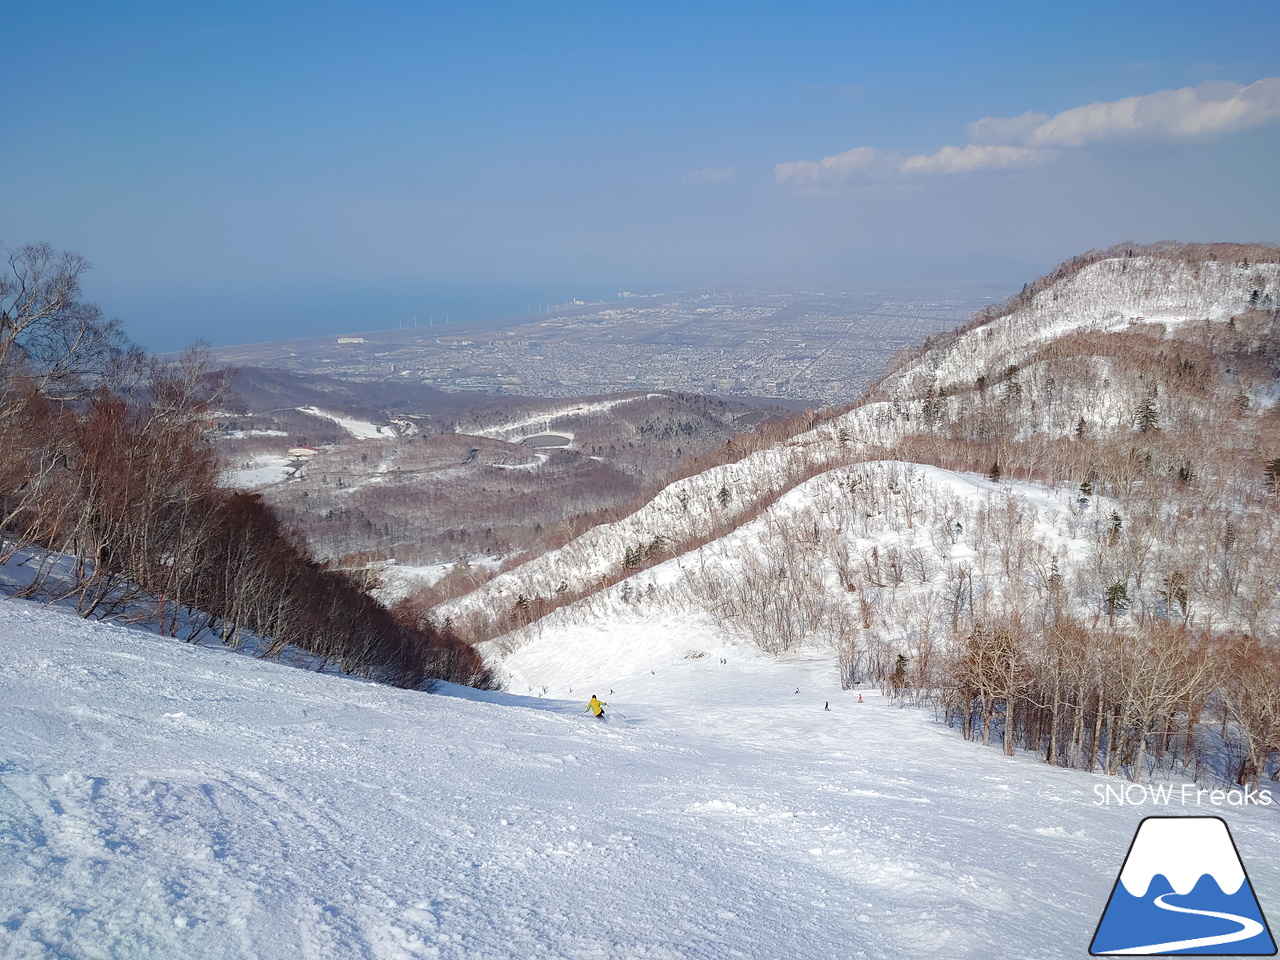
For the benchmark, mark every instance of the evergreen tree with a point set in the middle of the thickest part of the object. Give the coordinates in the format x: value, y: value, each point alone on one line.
x: 1148, y: 417
x: 1117, y: 599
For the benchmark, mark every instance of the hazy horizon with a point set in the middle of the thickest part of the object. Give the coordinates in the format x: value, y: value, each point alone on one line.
x: 257, y: 312
x: 243, y: 172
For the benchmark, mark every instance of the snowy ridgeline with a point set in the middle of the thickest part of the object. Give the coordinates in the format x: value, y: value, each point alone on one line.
x: 889, y: 546
x: 1045, y: 402
x: 943, y: 542
x: 1104, y: 296
x: 162, y: 800
x: 900, y: 534
x: 691, y: 509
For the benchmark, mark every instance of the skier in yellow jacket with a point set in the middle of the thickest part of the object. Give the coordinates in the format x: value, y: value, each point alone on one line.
x: 596, y: 707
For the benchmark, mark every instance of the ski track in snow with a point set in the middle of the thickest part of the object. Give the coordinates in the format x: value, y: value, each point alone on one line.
x: 163, y: 800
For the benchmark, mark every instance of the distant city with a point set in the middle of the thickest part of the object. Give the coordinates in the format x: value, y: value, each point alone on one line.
x: 798, y: 346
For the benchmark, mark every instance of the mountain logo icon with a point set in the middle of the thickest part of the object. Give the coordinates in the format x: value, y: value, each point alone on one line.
x: 1183, y: 891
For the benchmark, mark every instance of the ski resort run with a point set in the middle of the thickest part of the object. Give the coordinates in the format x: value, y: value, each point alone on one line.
x: 360, y: 429
x: 167, y: 800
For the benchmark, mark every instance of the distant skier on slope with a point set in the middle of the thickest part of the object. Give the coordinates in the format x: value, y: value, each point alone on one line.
x: 596, y: 707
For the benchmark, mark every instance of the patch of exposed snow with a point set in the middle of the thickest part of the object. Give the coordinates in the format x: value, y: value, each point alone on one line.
x: 260, y: 471
x: 240, y: 434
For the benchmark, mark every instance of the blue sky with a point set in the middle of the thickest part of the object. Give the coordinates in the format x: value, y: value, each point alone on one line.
x: 238, y: 171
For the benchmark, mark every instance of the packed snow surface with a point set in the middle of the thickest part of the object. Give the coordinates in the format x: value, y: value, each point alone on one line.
x: 164, y: 800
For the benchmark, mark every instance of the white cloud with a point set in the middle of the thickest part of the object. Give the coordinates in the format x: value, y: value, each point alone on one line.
x: 1006, y: 129
x: 712, y: 174
x: 867, y: 162
x: 829, y: 169
x: 1209, y: 109
x: 973, y: 157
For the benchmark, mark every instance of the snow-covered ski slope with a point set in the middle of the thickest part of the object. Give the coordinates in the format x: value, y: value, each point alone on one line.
x: 360, y: 429
x: 516, y: 430
x: 160, y: 800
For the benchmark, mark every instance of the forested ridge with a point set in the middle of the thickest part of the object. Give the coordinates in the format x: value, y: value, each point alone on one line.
x: 109, y: 498
x: 1060, y: 525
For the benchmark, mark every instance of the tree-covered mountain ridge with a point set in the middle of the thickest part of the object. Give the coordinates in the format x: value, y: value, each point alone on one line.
x: 1101, y: 292
x: 1065, y: 503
